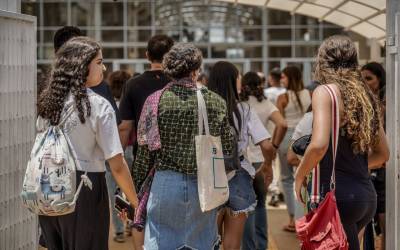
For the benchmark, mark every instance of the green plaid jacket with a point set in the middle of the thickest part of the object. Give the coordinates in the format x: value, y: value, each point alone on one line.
x: 178, y: 125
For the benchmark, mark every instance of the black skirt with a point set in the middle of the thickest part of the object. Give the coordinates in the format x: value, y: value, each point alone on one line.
x: 87, y: 227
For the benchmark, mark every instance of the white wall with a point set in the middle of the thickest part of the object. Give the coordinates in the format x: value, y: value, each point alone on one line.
x: 18, y: 227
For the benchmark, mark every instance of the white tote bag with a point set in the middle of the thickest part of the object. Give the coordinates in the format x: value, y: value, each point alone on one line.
x: 211, y: 176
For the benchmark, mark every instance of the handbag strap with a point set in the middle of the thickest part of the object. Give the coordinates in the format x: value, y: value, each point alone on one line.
x: 335, y: 132
x: 203, y: 118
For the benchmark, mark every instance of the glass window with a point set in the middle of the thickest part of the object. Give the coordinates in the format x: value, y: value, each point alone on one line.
x: 112, y: 14
x: 136, y: 53
x: 55, y: 14
x: 305, y: 20
x: 327, y: 32
x: 112, y: 35
x: 48, y: 36
x: 218, y: 52
x: 252, y: 34
x: 82, y: 14
x: 253, y: 52
x: 195, y: 34
x: 249, y: 15
x: 277, y: 17
x: 139, y: 14
x: 48, y: 52
x: 274, y: 64
x: 307, y: 34
x: 29, y: 8
x: 306, y: 51
x: 279, y: 34
x: 279, y: 51
x: 113, y: 53
x: 256, y: 66
x: 139, y: 35
x: 174, y: 34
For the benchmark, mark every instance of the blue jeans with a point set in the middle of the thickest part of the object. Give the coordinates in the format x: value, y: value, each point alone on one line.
x: 174, y: 217
x: 111, y: 187
x: 287, y: 174
x: 255, y: 235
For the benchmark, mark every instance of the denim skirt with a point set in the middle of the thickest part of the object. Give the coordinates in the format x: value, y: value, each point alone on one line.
x: 174, y: 218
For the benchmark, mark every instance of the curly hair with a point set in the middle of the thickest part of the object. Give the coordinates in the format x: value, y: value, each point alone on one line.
x: 337, y: 63
x: 117, y: 81
x: 252, y: 85
x: 182, y: 59
x: 68, y: 75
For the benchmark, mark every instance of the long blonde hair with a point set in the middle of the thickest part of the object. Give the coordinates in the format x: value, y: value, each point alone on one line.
x: 337, y: 63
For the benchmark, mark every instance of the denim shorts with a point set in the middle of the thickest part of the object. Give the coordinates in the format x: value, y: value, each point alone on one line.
x: 174, y: 218
x: 242, y: 198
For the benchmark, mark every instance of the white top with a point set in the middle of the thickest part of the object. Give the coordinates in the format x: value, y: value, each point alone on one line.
x: 264, y: 110
x: 304, y: 127
x: 97, y: 140
x: 272, y: 93
x: 252, y: 128
x: 293, y: 112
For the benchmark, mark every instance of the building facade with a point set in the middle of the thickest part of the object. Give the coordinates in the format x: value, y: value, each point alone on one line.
x: 253, y: 38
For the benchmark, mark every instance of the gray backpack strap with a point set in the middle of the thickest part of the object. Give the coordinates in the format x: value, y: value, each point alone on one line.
x: 70, y: 110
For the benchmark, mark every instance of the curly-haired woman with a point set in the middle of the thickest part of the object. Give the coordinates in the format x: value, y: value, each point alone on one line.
x: 93, y: 133
x: 255, y: 234
x: 166, y: 137
x: 362, y: 142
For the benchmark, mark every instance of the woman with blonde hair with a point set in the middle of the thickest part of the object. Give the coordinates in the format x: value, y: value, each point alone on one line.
x: 361, y: 145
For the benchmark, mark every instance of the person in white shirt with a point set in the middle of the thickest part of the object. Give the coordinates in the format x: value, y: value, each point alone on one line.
x: 293, y: 104
x: 93, y: 134
x: 255, y: 234
x: 225, y: 81
x: 275, y: 89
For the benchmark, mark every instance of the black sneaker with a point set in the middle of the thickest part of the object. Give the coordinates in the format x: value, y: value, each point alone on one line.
x: 119, y: 237
x: 274, y: 202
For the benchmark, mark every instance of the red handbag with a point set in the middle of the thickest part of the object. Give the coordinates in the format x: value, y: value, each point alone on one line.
x: 321, y: 229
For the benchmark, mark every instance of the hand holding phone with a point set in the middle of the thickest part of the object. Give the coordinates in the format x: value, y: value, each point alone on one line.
x: 123, y: 206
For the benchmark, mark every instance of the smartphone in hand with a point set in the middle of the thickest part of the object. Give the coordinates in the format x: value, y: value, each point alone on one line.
x: 122, y: 205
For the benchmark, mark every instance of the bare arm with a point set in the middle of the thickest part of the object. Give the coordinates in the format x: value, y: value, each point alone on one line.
x: 292, y: 158
x: 268, y: 151
x: 319, y: 144
x: 380, y: 153
x: 280, y: 128
x: 281, y: 103
x: 125, y: 129
x: 122, y: 176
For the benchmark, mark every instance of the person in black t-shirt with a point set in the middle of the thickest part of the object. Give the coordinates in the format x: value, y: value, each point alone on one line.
x: 138, y: 88
x: 135, y: 93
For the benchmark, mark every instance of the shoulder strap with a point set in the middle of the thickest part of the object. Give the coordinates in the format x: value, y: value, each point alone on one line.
x: 335, y: 131
x: 202, y: 114
x: 70, y: 110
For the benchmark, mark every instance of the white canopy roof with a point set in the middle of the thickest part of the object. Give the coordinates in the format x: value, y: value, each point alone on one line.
x: 365, y: 17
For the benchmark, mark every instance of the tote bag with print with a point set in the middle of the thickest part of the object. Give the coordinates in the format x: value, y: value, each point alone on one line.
x: 211, y: 176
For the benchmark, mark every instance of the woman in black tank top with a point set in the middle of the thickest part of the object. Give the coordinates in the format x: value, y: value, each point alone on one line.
x: 362, y: 142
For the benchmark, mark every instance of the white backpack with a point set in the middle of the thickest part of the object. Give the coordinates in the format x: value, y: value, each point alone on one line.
x: 49, y: 186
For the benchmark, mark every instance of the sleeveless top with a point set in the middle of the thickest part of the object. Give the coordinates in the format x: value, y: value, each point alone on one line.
x: 293, y: 112
x: 353, y: 181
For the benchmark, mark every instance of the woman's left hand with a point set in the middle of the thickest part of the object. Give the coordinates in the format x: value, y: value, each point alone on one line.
x: 299, y: 183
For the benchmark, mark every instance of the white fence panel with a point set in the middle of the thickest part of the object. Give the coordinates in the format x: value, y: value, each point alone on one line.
x: 18, y: 227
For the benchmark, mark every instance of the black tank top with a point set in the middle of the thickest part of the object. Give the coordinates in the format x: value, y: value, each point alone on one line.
x: 353, y: 181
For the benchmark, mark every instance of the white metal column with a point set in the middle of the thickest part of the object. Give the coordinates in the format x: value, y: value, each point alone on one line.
x: 18, y: 227
x: 393, y: 124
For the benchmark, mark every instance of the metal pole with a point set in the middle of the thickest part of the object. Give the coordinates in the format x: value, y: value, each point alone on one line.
x: 393, y: 124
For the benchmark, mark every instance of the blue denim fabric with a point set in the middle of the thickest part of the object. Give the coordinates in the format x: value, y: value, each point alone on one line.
x: 255, y: 232
x: 287, y: 174
x: 111, y: 187
x: 174, y: 218
x: 242, y: 198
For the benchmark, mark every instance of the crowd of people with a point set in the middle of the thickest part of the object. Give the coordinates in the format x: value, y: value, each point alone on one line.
x: 128, y: 126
